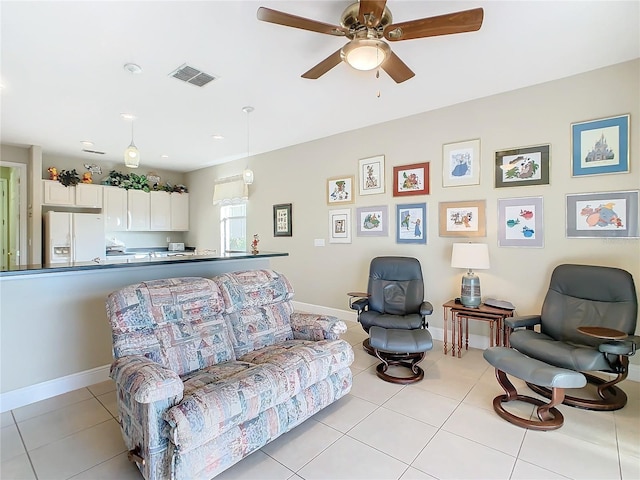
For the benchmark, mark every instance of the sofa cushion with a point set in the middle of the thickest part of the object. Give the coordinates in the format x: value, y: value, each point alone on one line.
x: 253, y: 288
x: 175, y: 322
x: 304, y: 362
x: 257, y: 308
x: 217, y: 402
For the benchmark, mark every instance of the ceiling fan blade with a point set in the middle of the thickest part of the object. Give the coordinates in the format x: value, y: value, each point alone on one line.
x: 288, y: 20
x: 324, y: 66
x: 397, y: 69
x: 458, y: 22
x: 370, y: 12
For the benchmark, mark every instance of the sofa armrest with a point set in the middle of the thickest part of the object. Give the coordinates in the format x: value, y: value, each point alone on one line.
x: 311, y: 326
x: 145, y: 380
x: 527, y: 321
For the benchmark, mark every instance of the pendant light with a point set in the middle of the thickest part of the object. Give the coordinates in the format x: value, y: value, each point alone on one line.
x: 247, y: 173
x: 132, y: 154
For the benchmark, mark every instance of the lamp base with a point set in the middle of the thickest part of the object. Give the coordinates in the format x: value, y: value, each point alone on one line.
x: 470, y: 291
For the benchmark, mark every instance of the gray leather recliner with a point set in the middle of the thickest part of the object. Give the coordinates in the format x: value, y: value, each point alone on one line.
x: 584, y: 296
x: 395, y: 305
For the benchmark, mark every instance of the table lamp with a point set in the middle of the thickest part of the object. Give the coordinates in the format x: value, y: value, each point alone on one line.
x: 470, y: 256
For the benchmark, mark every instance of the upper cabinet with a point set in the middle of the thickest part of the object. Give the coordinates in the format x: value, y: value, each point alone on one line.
x: 115, y: 209
x: 81, y: 195
x: 124, y: 210
x: 169, y: 211
x: 160, y: 211
x: 180, y: 211
x: 89, y: 195
x: 55, y: 193
x: 138, y: 209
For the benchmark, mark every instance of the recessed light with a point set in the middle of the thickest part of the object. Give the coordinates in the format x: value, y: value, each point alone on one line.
x: 133, y: 68
x: 87, y: 143
x: 164, y: 156
x: 128, y: 116
x: 217, y: 136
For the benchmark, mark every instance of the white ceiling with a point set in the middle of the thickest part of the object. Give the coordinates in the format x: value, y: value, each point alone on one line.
x: 63, y: 79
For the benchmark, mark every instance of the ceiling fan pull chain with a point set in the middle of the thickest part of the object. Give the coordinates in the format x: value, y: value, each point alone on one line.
x: 378, y: 76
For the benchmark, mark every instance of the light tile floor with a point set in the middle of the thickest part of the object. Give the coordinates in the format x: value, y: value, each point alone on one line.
x: 443, y: 427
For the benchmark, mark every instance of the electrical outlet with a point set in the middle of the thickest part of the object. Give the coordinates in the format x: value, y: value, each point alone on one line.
x: 318, y: 242
x: 168, y: 239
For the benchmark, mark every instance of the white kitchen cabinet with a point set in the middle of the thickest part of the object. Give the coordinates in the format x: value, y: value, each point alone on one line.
x: 180, y: 211
x: 115, y: 209
x: 160, y: 211
x: 81, y: 195
x: 138, y: 210
x: 54, y: 193
x: 88, y: 195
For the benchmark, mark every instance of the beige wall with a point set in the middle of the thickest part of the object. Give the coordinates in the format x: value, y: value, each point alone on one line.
x: 540, y: 114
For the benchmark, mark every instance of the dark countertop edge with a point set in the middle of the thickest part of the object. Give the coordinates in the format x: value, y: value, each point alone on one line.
x: 38, y: 270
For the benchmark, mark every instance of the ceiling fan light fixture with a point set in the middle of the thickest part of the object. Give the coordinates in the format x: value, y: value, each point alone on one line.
x: 365, y: 54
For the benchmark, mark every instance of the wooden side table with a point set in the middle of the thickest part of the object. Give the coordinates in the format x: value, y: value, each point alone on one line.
x: 459, y: 312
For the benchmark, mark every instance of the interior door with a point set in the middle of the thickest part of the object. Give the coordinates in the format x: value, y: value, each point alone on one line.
x: 4, y: 225
x: 15, y: 217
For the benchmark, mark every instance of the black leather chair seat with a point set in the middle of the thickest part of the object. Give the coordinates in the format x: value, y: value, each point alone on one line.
x: 405, y: 322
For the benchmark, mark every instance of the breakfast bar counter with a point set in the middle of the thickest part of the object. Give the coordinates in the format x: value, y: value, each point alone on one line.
x: 55, y: 334
x: 135, y: 261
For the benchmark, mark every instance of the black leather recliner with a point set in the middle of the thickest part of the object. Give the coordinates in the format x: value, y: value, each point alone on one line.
x: 583, y: 297
x: 395, y: 301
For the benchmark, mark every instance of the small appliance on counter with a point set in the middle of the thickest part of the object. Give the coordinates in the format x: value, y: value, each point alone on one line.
x: 176, y: 247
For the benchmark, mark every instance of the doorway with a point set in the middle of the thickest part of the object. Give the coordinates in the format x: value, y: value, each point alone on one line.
x: 13, y: 215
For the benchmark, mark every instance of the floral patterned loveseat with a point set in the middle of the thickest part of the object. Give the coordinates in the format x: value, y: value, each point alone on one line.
x: 209, y: 370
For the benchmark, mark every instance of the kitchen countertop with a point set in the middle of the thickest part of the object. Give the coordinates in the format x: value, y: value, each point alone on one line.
x: 135, y: 262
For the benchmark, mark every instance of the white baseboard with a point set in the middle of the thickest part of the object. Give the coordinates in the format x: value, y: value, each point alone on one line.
x: 58, y: 386
x: 475, y: 341
x: 51, y: 388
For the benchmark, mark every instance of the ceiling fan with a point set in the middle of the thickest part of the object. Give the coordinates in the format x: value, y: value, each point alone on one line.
x: 365, y: 23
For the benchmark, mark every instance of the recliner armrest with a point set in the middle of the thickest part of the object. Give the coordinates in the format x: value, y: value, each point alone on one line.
x: 618, y: 347
x: 626, y: 346
x: 523, y: 321
x: 146, y: 380
x: 359, y: 304
x: 426, y: 308
x: 310, y: 326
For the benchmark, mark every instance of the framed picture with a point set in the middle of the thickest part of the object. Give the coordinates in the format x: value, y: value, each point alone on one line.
x: 520, y: 222
x: 340, y: 190
x: 600, y: 146
x: 461, y: 163
x: 282, y: 220
x: 340, y: 226
x: 607, y: 214
x: 371, y: 175
x: 411, y: 179
x: 372, y: 221
x: 462, y: 219
x: 519, y: 167
x: 411, y: 223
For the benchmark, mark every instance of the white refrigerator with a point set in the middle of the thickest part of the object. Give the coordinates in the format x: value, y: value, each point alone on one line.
x: 73, y: 237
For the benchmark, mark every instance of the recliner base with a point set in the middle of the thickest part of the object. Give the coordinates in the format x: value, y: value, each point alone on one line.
x: 410, y: 361
x: 612, y: 397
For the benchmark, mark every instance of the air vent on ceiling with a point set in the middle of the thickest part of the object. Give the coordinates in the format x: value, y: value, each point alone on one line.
x: 192, y: 75
x: 92, y: 151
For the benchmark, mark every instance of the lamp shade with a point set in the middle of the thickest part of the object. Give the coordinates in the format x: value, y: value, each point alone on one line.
x: 132, y: 156
x: 470, y: 255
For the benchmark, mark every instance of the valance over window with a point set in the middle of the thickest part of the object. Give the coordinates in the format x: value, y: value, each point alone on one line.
x: 230, y: 191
